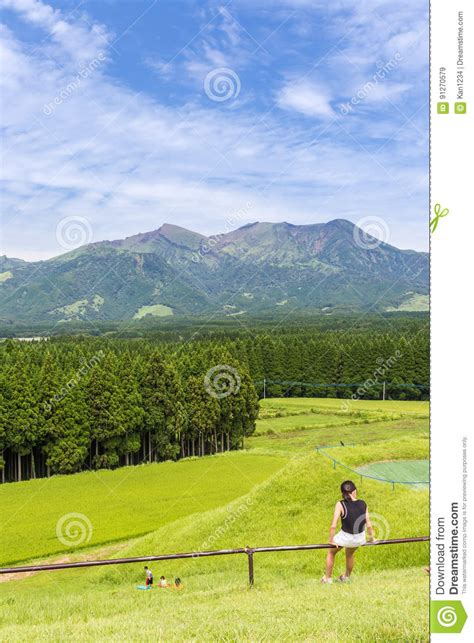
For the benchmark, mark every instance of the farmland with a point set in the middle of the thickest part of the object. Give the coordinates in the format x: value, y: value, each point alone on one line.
x: 281, y: 490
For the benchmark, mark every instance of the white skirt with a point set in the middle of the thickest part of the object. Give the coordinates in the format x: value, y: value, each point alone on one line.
x: 343, y: 539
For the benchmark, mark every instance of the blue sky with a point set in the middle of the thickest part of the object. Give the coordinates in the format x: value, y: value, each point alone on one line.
x: 123, y: 115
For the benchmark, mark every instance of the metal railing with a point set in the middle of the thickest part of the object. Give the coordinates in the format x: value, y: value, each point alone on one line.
x: 249, y: 551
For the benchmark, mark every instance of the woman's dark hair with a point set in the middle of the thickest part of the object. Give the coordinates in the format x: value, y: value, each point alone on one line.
x: 347, y: 487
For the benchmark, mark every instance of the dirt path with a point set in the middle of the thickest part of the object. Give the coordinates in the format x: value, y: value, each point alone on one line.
x: 103, y: 552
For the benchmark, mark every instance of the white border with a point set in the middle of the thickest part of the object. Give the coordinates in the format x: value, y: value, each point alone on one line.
x: 452, y: 310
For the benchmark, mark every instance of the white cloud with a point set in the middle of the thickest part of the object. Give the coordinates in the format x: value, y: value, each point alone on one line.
x: 77, y: 39
x: 128, y: 163
x: 306, y: 98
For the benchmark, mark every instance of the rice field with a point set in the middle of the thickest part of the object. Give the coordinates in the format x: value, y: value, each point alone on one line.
x: 279, y: 490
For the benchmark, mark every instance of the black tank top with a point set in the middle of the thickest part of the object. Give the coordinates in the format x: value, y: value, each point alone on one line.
x: 353, y: 516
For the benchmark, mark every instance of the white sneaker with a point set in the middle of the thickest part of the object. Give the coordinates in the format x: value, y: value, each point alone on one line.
x: 325, y: 580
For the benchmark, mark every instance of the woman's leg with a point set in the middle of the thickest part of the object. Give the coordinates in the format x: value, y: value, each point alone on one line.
x: 350, y: 559
x: 330, y: 561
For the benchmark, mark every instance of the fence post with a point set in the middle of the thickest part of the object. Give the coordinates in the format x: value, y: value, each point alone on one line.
x: 249, y: 553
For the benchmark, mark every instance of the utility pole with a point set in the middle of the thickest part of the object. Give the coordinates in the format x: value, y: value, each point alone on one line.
x: 264, y: 388
x: 383, y: 394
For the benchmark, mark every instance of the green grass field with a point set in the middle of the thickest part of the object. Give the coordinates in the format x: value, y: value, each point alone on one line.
x: 123, y: 503
x: 292, y: 406
x: 280, y: 490
x: 156, y: 310
x: 303, y: 424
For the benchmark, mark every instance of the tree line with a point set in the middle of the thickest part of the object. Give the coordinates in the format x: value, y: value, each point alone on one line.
x: 67, y: 407
x: 76, y: 403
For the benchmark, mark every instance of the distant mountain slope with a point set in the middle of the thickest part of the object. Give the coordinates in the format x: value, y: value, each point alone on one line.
x: 258, y: 268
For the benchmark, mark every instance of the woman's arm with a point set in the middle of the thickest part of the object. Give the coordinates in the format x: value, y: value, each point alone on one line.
x: 335, y: 518
x: 369, y: 527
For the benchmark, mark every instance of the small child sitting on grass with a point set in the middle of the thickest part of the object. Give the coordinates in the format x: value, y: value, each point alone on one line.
x: 149, y: 577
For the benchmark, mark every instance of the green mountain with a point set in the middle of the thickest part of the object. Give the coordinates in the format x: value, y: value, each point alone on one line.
x: 258, y: 268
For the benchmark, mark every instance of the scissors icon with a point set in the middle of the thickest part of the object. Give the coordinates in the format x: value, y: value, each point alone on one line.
x: 439, y: 214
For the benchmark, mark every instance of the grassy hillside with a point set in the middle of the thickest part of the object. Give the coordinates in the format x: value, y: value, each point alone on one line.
x: 123, y: 503
x: 300, y: 424
x: 282, y: 500
x: 374, y: 610
x: 156, y: 310
x: 295, y: 505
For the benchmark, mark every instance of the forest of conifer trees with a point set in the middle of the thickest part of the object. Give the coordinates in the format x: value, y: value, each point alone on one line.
x: 75, y: 403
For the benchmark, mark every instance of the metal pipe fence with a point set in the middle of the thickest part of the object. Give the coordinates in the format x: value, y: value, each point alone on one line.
x: 248, y: 551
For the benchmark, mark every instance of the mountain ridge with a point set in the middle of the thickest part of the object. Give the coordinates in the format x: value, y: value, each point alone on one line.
x: 250, y: 270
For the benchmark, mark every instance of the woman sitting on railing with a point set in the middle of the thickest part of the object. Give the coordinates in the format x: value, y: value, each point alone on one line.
x: 355, y: 520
